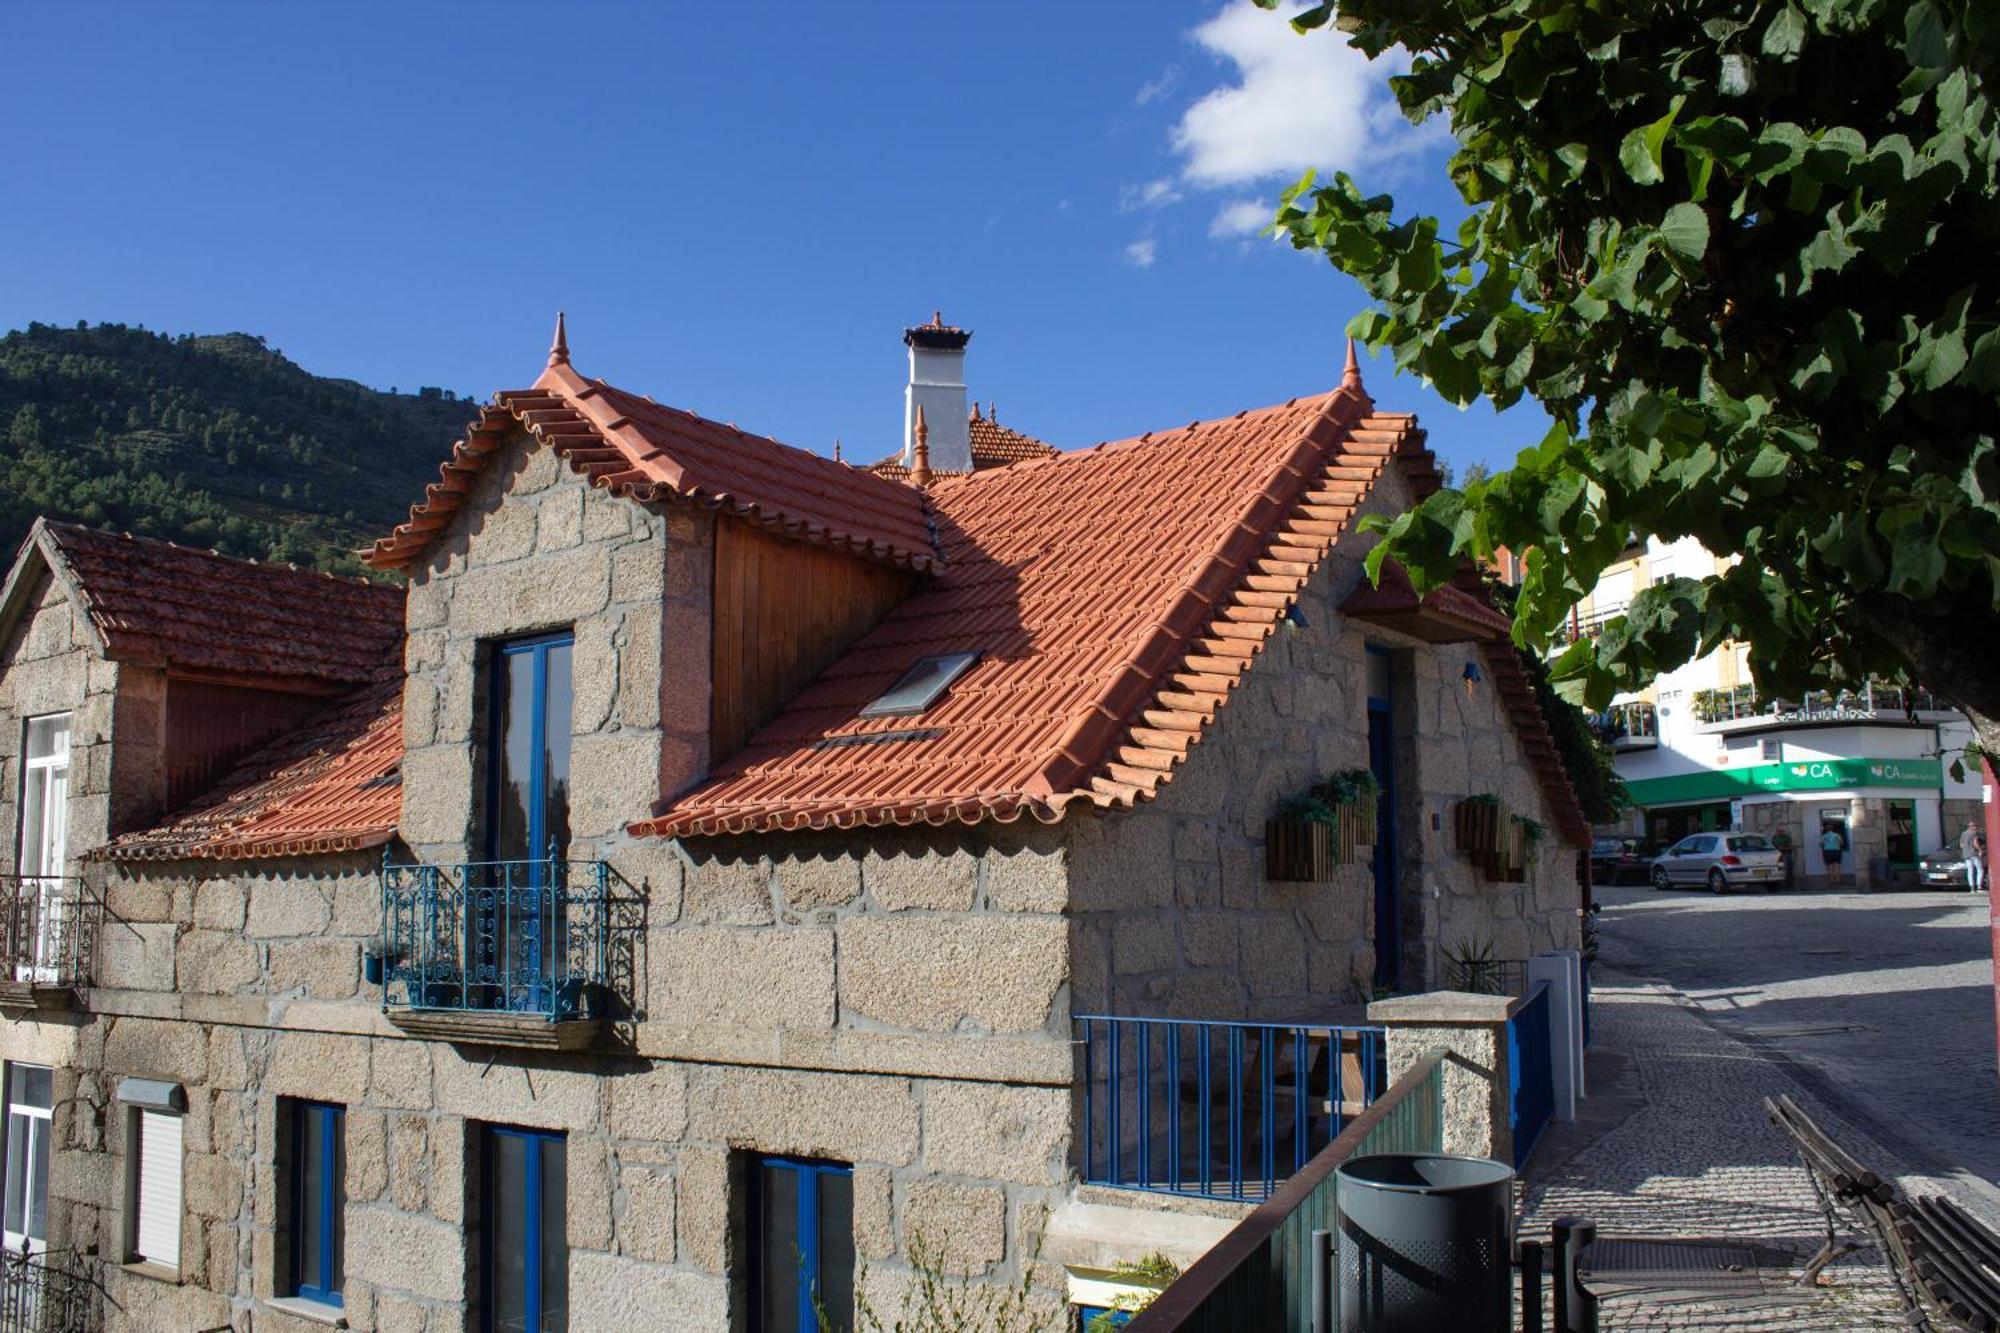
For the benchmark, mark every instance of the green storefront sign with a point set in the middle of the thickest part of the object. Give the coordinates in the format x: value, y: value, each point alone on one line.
x: 1724, y: 784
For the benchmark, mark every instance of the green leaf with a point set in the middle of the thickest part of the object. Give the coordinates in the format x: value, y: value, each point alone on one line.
x: 1927, y: 43
x: 1786, y: 36
x: 1738, y: 77
x: 1684, y: 231
x: 1639, y: 154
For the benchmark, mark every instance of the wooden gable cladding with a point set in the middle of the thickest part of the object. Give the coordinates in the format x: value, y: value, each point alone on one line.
x: 783, y: 612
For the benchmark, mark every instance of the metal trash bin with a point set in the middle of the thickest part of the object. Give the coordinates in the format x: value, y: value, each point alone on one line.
x: 1425, y: 1244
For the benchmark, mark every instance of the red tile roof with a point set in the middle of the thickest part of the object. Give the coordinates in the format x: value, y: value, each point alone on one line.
x: 993, y: 445
x: 331, y: 786
x: 635, y: 447
x: 1117, y: 594
x: 155, y: 602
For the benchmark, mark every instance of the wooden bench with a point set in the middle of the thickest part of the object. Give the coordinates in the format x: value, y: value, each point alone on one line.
x: 1944, y: 1262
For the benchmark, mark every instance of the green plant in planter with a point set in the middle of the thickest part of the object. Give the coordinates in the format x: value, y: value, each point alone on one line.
x: 1351, y: 786
x: 1308, y: 806
x: 1482, y: 798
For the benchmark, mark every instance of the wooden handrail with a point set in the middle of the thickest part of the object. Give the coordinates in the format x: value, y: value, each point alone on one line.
x: 1205, y: 1276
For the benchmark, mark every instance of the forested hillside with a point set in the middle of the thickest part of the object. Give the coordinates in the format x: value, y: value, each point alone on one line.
x: 213, y: 441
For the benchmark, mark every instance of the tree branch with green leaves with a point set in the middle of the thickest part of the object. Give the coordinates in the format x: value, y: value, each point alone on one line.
x: 1743, y: 252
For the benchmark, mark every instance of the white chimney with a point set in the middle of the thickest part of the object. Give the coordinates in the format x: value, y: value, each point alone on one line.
x: 937, y: 384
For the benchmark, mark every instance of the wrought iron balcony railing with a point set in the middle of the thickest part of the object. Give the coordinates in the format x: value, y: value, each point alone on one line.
x: 50, y: 931
x: 529, y: 938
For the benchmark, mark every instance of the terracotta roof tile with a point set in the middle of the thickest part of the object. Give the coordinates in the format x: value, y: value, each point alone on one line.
x: 636, y: 447
x: 1517, y: 696
x: 993, y: 445
x: 1116, y: 595
x: 332, y: 786
x: 152, y: 601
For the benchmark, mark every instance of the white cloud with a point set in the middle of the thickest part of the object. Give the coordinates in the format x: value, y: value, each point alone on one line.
x: 1142, y: 252
x: 1242, y: 217
x: 1298, y: 102
x: 1152, y: 194
x: 1154, y: 89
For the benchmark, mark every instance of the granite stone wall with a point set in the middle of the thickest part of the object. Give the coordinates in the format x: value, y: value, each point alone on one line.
x: 1172, y: 913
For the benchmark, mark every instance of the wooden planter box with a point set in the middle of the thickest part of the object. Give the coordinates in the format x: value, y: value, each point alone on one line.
x: 1357, y: 829
x: 1478, y: 825
x: 1508, y: 863
x: 1300, y: 849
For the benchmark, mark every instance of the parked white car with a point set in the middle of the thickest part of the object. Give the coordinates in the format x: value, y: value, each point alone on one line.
x: 1720, y: 860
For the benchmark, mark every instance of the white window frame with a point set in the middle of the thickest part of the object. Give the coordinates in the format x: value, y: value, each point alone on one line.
x: 41, y: 1122
x: 43, y: 846
x: 163, y: 1129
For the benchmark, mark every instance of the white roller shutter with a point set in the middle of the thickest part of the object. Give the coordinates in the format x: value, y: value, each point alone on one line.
x: 157, y: 1232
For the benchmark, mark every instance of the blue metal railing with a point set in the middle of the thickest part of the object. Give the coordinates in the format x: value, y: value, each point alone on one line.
x: 1216, y: 1110
x: 1531, y: 1095
x: 1260, y: 1275
x: 527, y: 937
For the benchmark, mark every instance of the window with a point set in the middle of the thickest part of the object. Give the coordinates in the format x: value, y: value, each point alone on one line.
x: 29, y: 1099
x: 154, y: 1234
x: 44, y: 834
x: 1772, y: 751
x: 1751, y: 842
x: 315, y: 1204
x: 527, y: 810
x: 524, y: 1248
x: 921, y: 685
x: 802, y: 1242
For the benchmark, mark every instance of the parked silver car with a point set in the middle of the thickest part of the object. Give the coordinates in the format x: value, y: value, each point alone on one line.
x: 1720, y: 860
x: 1945, y: 870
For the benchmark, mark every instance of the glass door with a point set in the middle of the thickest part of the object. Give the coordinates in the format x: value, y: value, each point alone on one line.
x: 516, y: 916
x: 37, y: 922
x: 29, y: 1102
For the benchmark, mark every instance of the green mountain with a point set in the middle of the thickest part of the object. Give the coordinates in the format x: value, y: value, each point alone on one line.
x: 211, y: 441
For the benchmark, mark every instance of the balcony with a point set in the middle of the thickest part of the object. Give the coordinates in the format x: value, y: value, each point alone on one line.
x: 51, y: 938
x: 1585, y: 626
x: 1632, y: 726
x: 1743, y: 709
x: 499, y: 953
x: 1216, y: 1110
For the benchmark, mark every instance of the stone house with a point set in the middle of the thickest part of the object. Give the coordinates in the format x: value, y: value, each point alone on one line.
x: 700, y: 872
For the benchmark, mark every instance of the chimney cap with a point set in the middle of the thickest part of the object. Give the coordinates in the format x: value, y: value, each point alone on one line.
x: 937, y: 336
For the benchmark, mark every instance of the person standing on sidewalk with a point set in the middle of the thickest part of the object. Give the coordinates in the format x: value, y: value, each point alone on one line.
x: 1972, y: 846
x: 1831, y: 845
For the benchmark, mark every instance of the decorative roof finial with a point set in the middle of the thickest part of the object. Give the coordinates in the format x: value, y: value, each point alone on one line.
x: 1350, y: 378
x: 559, y: 349
x: 920, y: 456
x: 937, y: 319
x: 836, y: 449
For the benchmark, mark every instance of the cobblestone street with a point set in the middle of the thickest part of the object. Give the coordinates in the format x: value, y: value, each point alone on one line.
x: 1874, y: 1012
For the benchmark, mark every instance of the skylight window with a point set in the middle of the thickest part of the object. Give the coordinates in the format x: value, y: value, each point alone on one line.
x: 921, y: 685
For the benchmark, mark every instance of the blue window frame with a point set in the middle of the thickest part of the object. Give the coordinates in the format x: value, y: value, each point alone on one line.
x: 524, y: 1244
x: 527, y: 771
x: 802, y: 1241
x: 316, y: 1202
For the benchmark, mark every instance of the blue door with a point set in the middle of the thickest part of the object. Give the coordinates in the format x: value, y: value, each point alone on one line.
x: 1382, y: 762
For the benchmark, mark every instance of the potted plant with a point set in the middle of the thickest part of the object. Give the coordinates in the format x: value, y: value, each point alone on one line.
x: 1303, y: 842
x: 1354, y: 794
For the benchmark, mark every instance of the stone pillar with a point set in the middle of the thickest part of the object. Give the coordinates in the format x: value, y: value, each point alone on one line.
x: 1473, y: 1028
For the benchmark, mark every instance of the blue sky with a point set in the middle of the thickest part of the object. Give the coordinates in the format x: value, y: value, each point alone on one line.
x: 739, y: 206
